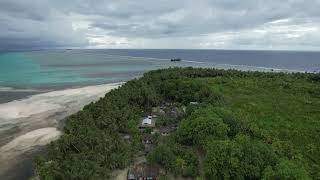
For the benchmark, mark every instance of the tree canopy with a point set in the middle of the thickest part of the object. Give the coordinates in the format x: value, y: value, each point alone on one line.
x: 246, y: 125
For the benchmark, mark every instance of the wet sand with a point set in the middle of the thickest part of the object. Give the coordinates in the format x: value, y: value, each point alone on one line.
x: 27, y: 125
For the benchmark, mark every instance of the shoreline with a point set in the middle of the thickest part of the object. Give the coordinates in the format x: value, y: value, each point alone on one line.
x: 30, y: 123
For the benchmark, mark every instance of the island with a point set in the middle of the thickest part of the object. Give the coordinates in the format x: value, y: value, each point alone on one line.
x: 194, y: 123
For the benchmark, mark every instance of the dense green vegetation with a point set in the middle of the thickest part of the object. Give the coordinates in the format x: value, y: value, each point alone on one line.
x: 247, y: 125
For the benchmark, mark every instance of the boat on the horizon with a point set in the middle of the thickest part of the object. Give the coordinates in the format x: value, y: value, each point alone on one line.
x: 175, y: 60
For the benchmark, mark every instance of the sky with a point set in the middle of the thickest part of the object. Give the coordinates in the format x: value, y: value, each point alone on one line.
x: 160, y: 24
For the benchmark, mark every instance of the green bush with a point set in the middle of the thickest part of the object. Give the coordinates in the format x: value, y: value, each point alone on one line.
x: 175, y: 159
x: 202, y: 125
x: 286, y: 170
x: 241, y: 158
x: 162, y: 155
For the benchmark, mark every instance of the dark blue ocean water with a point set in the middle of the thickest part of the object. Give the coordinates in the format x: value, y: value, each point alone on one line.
x: 62, y: 68
x: 287, y: 60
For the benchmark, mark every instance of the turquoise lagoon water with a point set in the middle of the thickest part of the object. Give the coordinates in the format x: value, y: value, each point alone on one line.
x: 60, y: 69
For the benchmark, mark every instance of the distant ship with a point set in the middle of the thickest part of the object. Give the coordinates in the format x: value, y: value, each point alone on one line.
x: 176, y: 59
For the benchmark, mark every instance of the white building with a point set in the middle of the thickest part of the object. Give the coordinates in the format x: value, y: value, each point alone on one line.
x: 147, y: 121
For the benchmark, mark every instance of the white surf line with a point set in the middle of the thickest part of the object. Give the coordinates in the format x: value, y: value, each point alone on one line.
x: 198, y: 62
x: 259, y: 67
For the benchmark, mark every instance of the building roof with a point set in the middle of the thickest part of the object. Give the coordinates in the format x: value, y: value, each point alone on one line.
x: 194, y: 102
x: 147, y: 121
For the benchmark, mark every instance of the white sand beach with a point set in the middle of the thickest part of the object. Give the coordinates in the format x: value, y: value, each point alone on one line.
x: 32, y: 122
x: 25, y: 142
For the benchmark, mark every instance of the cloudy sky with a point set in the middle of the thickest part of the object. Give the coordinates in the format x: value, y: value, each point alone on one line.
x: 206, y: 24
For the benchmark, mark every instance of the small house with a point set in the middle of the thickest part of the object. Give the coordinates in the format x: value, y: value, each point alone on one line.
x: 147, y: 122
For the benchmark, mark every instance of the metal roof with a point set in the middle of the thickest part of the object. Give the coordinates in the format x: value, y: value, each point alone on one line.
x: 147, y: 121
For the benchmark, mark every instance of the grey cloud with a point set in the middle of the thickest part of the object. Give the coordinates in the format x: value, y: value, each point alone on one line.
x: 34, y: 25
x: 201, y: 17
x: 38, y: 10
x: 50, y: 23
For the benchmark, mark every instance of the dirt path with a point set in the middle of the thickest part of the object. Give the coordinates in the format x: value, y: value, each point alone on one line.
x: 121, y: 174
x: 201, y: 171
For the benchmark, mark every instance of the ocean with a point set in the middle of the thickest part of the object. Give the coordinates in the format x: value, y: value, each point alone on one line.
x: 56, y: 69
x: 238, y: 59
x: 47, y: 70
x: 61, y: 69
